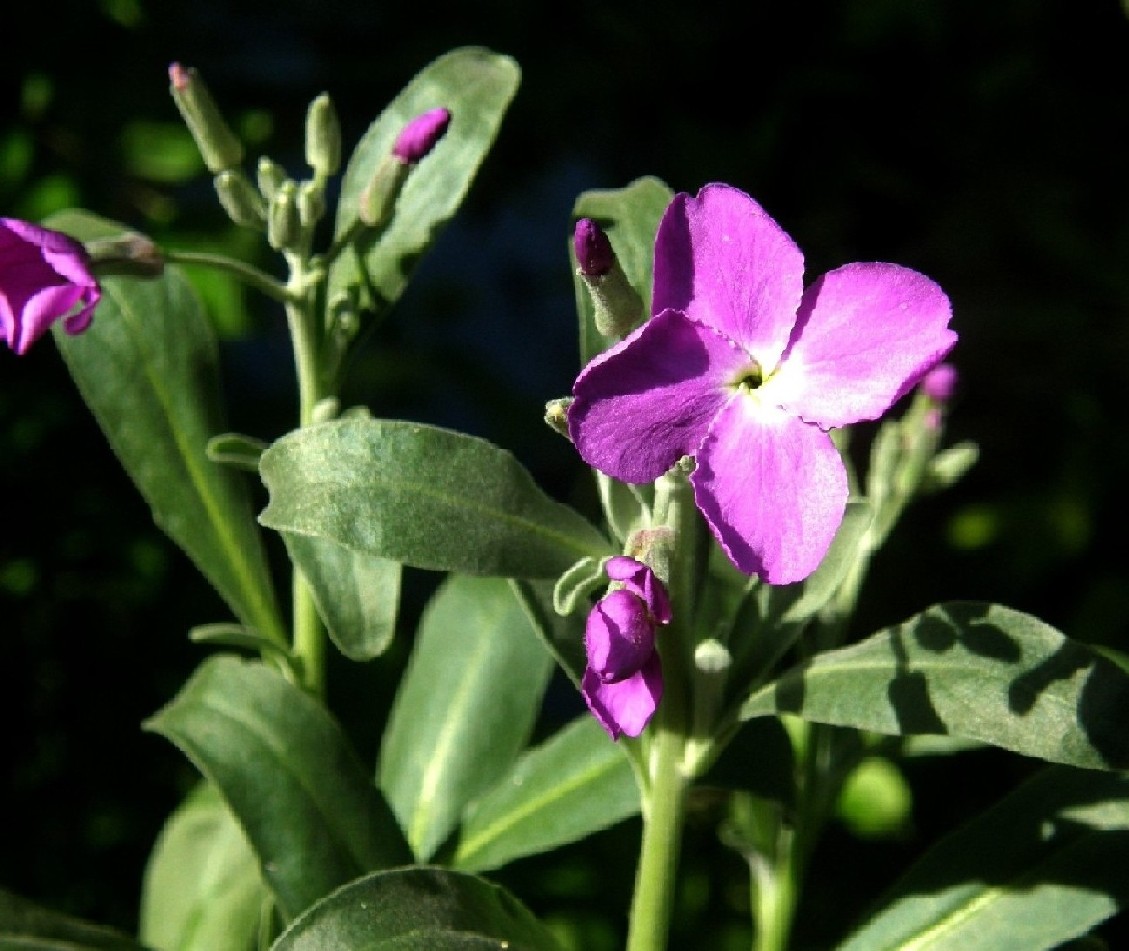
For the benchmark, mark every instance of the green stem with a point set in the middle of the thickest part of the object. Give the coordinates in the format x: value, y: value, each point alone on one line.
x: 251, y: 276
x: 775, y: 887
x: 663, y: 819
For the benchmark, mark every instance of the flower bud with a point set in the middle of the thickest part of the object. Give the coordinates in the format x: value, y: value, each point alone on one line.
x: 419, y: 136
x: 270, y: 177
x: 284, y: 227
x: 556, y: 415
x: 242, y: 203
x: 323, y: 137
x: 618, y: 308
x: 311, y: 203
x: 940, y: 382
x: 217, y: 143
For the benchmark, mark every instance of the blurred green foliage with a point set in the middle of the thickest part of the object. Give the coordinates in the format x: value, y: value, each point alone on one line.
x: 980, y: 143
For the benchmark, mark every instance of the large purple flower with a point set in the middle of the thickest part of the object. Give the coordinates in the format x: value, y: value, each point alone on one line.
x: 44, y: 277
x: 623, y: 683
x: 745, y: 370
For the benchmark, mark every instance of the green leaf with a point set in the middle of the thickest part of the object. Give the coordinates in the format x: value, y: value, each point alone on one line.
x: 289, y: 775
x: 465, y: 708
x: 147, y: 368
x: 1044, y: 865
x: 417, y: 909
x: 26, y: 926
x: 979, y: 671
x: 476, y: 85
x: 428, y: 497
x: 235, y: 449
x: 575, y: 783
x: 630, y: 217
x: 562, y: 635
x: 357, y: 594
x: 202, y: 890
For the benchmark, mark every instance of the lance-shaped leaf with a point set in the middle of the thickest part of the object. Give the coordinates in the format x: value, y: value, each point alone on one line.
x: 465, y: 708
x: 148, y: 370
x: 979, y: 671
x: 289, y: 775
x: 1043, y: 866
x: 202, y: 889
x: 630, y: 217
x: 357, y: 594
x: 27, y: 926
x: 562, y: 635
x: 428, y: 497
x: 476, y: 85
x: 575, y: 783
x: 418, y: 909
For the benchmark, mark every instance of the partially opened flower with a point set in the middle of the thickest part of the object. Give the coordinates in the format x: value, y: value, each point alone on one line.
x: 44, y: 277
x: 622, y: 683
x: 746, y: 371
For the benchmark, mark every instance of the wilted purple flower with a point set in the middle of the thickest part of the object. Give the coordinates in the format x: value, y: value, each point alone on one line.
x: 745, y: 370
x: 419, y: 136
x: 622, y: 683
x: 594, y: 254
x: 44, y: 276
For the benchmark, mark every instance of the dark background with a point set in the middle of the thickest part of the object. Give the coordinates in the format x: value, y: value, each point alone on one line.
x: 981, y: 143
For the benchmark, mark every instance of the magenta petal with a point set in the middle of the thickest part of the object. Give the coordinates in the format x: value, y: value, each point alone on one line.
x: 867, y: 333
x: 772, y: 488
x: 725, y: 263
x: 642, y: 581
x: 625, y: 707
x: 648, y: 401
x: 619, y: 635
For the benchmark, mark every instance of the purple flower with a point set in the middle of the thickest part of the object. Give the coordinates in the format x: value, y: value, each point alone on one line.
x: 419, y: 136
x: 622, y: 683
x: 746, y: 370
x: 44, y: 276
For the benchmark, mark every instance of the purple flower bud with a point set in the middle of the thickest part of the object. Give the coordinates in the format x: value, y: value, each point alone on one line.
x: 419, y: 136
x: 594, y: 253
x: 44, y: 276
x: 622, y: 683
x: 940, y: 382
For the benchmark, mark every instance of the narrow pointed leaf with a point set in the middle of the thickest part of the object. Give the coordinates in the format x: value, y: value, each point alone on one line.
x: 289, y: 775
x: 357, y: 594
x: 1043, y: 866
x: 428, y: 497
x: 418, y: 909
x: 202, y: 890
x: 979, y: 671
x: 574, y: 784
x: 27, y: 926
x: 630, y: 217
x: 476, y: 85
x: 147, y: 368
x: 465, y: 708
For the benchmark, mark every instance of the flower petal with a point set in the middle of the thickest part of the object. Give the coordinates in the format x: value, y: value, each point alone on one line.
x: 725, y: 263
x: 625, y: 707
x: 648, y: 401
x: 772, y: 488
x: 866, y: 334
x: 639, y: 579
x: 619, y: 636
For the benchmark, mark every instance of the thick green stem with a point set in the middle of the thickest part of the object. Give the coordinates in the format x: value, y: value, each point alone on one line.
x: 775, y: 888
x: 663, y: 818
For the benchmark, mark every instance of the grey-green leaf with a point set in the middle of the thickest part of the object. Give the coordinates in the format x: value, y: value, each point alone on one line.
x: 418, y: 909
x: 575, y: 783
x: 147, y: 368
x: 202, y: 890
x: 428, y: 497
x: 477, y: 86
x: 979, y: 671
x: 313, y: 817
x: 357, y: 593
x: 465, y: 708
x: 27, y: 926
x: 630, y: 217
x: 1043, y: 866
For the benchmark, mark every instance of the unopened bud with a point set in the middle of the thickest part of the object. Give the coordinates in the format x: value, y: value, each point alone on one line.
x: 940, y: 382
x: 311, y: 203
x: 323, y: 137
x: 379, y: 195
x: 556, y: 415
x: 218, y: 145
x: 419, y: 136
x: 283, y: 224
x: 270, y: 177
x: 129, y: 254
x: 242, y: 203
x: 617, y: 306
